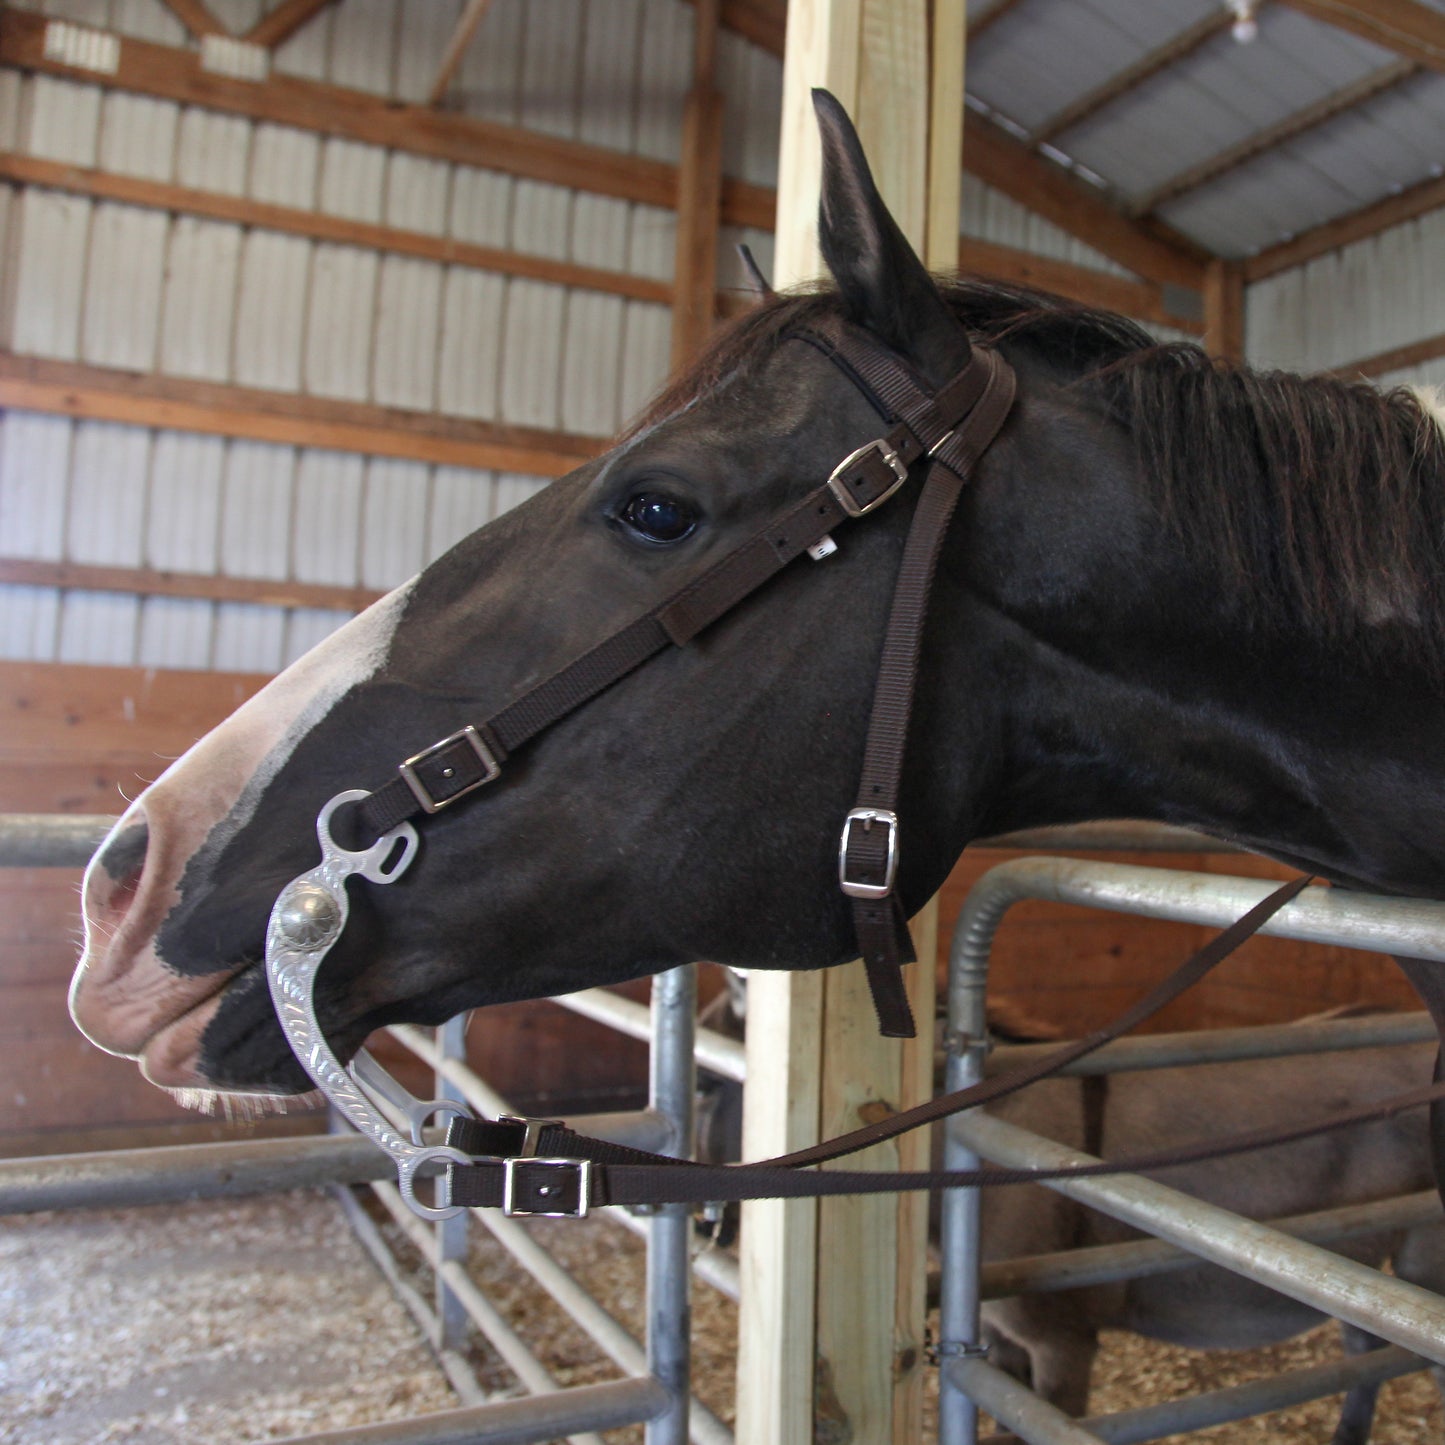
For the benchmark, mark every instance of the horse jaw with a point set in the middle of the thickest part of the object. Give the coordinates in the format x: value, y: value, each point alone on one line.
x: 125, y: 997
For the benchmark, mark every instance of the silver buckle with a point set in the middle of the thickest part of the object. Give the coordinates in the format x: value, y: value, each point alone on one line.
x: 419, y: 792
x: 846, y: 499
x: 532, y: 1131
x: 509, y: 1188
x: 869, y: 816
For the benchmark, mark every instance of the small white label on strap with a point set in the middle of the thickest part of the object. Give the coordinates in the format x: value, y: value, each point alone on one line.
x: 825, y: 546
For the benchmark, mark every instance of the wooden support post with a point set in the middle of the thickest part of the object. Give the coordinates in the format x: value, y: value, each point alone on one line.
x: 699, y: 196
x: 1224, y: 310
x: 832, y: 1312
x: 472, y: 17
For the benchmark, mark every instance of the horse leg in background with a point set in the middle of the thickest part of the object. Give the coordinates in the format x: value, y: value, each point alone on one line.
x: 1357, y: 1413
x: 1058, y: 1339
x: 1428, y: 980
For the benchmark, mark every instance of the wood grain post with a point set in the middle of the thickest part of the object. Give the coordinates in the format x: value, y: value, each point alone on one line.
x: 832, y: 1311
x: 699, y: 196
x: 1224, y: 310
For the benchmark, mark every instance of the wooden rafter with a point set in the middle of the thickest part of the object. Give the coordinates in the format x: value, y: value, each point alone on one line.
x: 989, y: 17
x: 760, y: 21
x: 98, y: 393
x: 175, y: 74
x: 319, y: 226
x: 283, y: 22
x: 1405, y: 26
x: 202, y: 586
x: 195, y: 17
x: 1224, y: 310
x: 471, y: 18
x: 1170, y: 53
x: 1397, y: 358
x: 1143, y: 300
x: 1323, y: 110
x: 1012, y: 167
x: 1344, y: 230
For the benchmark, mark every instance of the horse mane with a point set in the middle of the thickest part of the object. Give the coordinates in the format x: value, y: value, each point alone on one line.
x: 1316, y: 502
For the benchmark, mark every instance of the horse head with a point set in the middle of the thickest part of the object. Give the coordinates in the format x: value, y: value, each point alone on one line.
x: 1084, y: 656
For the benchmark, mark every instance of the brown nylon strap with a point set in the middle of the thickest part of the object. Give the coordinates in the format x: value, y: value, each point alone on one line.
x: 881, y: 931
x: 991, y: 1090
x: 767, y: 1177
x: 553, y: 1185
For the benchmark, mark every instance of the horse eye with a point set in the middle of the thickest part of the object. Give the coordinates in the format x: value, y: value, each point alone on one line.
x: 658, y: 517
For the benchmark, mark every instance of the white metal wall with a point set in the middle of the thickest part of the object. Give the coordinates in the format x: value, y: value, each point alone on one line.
x: 1359, y: 301
x: 120, y: 286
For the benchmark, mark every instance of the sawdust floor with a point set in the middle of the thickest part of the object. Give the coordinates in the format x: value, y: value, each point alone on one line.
x: 235, y: 1322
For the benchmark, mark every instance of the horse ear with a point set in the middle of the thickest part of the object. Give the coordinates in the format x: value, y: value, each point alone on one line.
x: 883, y: 283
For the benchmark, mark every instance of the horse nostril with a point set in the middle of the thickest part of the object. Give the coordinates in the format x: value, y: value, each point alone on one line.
x: 124, y: 856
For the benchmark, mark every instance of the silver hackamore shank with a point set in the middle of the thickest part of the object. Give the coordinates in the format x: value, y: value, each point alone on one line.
x: 307, y: 919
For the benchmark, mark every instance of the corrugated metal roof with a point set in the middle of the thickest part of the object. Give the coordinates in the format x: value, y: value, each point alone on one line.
x: 1042, y: 56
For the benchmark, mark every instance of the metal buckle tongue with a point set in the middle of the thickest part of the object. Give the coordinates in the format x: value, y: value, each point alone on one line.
x: 308, y: 917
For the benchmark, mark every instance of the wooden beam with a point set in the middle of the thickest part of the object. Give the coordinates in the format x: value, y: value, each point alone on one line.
x: 1010, y: 166
x: 1224, y: 310
x: 699, y: 195
x: 828, y: 1345
x: 1307, y: 118
x: 1397, y: 358
x: 1145, y: 68
x: 148, y: 582
x: 316, y: 225
x: 762, y: 22
x: 471, y: 18
x: 1343, y: 230
x: 283, y: 22
x: 195, y: 17
x: 1405, y: 26
x: 175, y: 74
x: 98, y: 393
x: 1143, y: 300
x: 983, y: 22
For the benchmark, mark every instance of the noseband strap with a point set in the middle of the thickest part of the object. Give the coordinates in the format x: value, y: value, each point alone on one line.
x: 946, y: 431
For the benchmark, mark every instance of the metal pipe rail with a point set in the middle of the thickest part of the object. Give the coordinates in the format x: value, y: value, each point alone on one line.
x: 1019, y: 1409
x: 530, y: 1421
x: 1217, y: 1046
x: 715, y: 1052
x: 1402, y: 1313
x: 1143, y: 1258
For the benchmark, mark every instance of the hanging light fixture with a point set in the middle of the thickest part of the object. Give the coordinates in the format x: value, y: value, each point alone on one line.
x: 1246, y: 26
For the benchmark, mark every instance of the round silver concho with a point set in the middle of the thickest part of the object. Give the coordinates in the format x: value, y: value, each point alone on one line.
x: 309, y: 916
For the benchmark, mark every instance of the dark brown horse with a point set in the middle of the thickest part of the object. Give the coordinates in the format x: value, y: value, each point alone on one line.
x: 1174, y: 589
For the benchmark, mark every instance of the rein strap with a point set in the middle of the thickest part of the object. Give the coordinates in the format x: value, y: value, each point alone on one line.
x: 543, y: 1167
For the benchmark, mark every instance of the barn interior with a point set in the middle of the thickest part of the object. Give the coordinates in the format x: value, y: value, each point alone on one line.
x: 295, y: 294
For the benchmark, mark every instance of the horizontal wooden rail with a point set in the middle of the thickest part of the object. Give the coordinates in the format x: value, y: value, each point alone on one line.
x: 1397, y: 358
x: 218, y: 206
x: 1144, y: 300
x: 1359, y: 225
x: 98, y: 393
x: 171, y: 73
x: 199, y: 586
